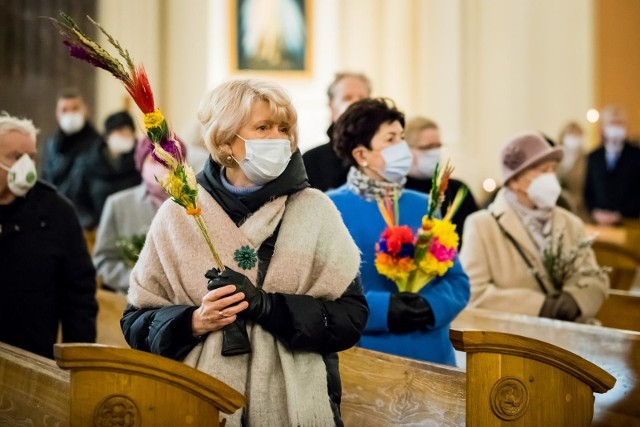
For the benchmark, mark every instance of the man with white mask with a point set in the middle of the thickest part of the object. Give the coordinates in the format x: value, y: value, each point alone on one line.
x: 47, y: 276
x: 611, y: 190
x: 505, y: 245
x: 423, y: 137
x: 109, y: 168
x: 66, y: 151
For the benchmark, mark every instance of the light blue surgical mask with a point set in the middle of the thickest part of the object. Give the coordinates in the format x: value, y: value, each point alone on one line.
x: 265, y: 159
x: 397, y: 162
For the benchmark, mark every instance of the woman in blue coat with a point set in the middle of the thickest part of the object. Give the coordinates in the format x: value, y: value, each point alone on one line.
x: 370, y: 137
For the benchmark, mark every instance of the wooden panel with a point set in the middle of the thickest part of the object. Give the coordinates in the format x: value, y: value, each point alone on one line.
x: 622, y: 261
x: 548, y: 397
x: 156, y: 383
x: 34, y: 391
x: 35, y: 65
x: 110, y: 309
x: 384, y: 390
x: 617, y: 56
x: 613, y: 350
x: 621, y: 310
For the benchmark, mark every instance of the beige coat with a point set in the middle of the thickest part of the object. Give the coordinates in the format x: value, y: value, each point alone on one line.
x: 500, y: 279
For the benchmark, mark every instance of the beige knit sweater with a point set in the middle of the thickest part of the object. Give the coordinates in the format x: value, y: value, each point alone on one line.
x: 314, y: 255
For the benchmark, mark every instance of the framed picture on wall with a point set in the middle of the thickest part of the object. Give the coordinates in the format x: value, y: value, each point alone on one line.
x: 271, y: 36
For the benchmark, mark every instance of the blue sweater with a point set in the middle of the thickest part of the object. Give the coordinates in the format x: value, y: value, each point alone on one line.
x: 447, y: 295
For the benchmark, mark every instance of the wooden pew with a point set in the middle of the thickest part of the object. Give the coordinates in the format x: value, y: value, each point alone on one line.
x: 622, y: 261
x: 33, y: 389
x: 107, y: 386
x: 621, y: 310
x: 527, y: 382
x: 616, y: 351
x: 384, y: 390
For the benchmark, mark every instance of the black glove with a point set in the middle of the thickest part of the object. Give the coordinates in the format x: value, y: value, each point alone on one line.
x: 259, y: 300
x: 234, y: 336
x: 409, y: 312
x: 561, y: 307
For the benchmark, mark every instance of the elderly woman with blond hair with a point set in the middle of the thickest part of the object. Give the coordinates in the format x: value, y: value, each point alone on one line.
x: 505, y: 245
x: 290, y: 297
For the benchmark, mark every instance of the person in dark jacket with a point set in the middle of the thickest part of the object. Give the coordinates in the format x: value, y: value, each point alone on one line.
x: 65, y: 153
x: 290, y: 297
x: 613, y: 171
x: 423, y: 136
x: 47, y: 275
x: 324, y: 169
x: 109, y: 169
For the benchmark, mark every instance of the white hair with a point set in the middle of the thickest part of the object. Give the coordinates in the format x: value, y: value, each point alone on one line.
x: 10, y: 123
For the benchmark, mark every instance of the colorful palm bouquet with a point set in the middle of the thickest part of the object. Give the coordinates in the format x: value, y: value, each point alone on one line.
x: 180, y: 183
x: 412, y: 260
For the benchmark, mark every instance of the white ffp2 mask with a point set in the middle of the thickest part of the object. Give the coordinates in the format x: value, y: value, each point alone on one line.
x: 21, y: 176
x: 544, y: 190
x: 71, y: 123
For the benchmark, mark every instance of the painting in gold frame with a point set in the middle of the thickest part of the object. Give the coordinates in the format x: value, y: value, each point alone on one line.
x: 271, y: 37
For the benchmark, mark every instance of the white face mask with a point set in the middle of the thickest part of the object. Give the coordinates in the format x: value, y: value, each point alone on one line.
x: 544, y: 191
x: 426, y: 161
x: 265, y: 159
x: 615, y: 132
x: 71, y: 123
x: 120, y: 144
x: 397, y: 162
x: 21, y: 176
x: 572, y: 142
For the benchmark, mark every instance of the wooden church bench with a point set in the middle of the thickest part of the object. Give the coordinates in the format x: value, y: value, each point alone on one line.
x: 615, y: 351
x: 98, y: 385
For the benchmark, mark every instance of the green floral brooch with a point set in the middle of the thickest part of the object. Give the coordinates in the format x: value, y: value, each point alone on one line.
x: 245, y: 257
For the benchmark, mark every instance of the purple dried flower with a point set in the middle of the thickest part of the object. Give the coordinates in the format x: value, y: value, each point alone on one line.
x: 80, y: 53
x: 171, y: 146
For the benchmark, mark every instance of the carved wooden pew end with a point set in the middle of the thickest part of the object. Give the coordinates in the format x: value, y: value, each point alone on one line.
x: 523, y: 381
x: 109, y: 384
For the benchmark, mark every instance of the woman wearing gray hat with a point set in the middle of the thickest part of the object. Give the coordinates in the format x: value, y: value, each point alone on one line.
x: 509, y: 246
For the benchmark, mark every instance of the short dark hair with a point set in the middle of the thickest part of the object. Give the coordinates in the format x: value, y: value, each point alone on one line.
x: 69, y: 93
x: 360, y: 122
x: 118, y: 120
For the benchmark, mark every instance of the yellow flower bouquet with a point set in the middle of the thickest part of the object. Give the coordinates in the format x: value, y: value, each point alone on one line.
x: 412, y: 261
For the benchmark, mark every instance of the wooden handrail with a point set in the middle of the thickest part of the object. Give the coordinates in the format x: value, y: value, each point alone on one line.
x: 497, y: 342
x: 77, y: 357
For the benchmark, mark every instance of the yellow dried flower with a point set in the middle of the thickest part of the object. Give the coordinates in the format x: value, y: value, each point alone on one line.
x: 153, y: 120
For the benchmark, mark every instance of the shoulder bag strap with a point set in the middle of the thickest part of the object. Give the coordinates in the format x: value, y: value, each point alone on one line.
x: 515, y: 244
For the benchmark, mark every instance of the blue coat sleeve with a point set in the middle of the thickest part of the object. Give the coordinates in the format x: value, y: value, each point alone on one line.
x: 448, y: 295
x: 378, y: 311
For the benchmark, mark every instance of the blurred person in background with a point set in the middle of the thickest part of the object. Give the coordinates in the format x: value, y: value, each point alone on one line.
x: 66, y: 152
x: 109, y: 169
x: 423, y: 137
x: 125, y: 221
x: 324, y: 169
x: 611, y: 190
